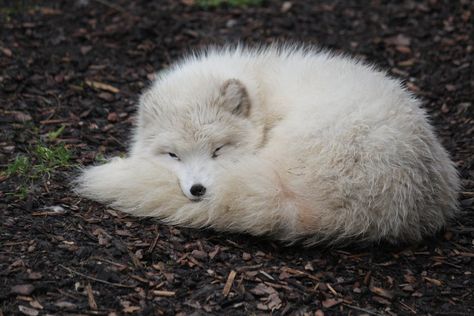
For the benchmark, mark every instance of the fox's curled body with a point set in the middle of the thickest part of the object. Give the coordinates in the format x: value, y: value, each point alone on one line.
x: 289, y: 142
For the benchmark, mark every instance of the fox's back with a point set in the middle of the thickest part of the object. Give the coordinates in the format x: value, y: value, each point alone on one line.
x: 294, y: 80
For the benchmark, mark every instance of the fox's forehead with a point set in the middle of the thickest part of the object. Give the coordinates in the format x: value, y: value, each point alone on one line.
x: 196, y: 128
x: 194, y: 119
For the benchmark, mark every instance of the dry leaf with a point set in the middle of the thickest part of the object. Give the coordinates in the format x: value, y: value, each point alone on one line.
x: 273, y: 301
x: 408, y: 288
x: 330, y: 302
x: 407, y: 63
x: 246, y: 256
x: 410, y: 278
x: 434, y: 281
x: 399, y: 40
x: 381, y: 300
x: 85, y: 49
x: 49, y: 11
x: 106, y: 96
x: 36, y: 304
x: 21, y: 117
x: 131, y: 309
x: 262, y: 289
x: 381, y: 292
x: 65, y: 305
x: 27, y: 310
x: 450, y: 87
x: 309, y: 267
x: 23, y: 289
x: 403, y: 49
x: 286, y: 6
x: 6, y: 51
x: 127, y: 308
x: 199, y: 254
x: 262, y: 307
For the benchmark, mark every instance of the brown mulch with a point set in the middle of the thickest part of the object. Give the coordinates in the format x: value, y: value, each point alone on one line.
x: 81, y: 64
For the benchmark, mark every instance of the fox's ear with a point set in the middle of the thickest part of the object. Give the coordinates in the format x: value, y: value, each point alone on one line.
x: 235, y: 97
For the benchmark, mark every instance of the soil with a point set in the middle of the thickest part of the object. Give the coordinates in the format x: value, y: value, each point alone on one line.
x: 81, y: 64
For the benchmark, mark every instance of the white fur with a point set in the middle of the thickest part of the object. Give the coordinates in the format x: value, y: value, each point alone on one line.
x: 316, y: 147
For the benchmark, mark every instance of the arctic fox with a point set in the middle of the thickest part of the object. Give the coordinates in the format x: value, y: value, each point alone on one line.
x: 291, y: 142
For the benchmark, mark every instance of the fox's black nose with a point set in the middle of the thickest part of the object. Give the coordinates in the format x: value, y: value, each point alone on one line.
x: 198, y: 190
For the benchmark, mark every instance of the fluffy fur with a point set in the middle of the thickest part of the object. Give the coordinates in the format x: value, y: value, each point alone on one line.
x: 289, y: 142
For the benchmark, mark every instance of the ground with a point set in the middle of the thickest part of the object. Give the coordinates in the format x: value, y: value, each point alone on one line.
x: 70, y: 74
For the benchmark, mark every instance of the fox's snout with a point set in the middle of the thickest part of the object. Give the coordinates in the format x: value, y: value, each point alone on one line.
x: 198, y: 190
x: 195, y: 192
x: 194, y: 183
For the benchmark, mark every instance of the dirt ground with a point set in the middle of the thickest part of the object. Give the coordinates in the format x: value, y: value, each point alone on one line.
x: 70, y: 74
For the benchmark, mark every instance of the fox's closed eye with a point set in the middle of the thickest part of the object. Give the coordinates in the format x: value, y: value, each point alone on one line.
x: 216, y: 151
x: 174, y: 156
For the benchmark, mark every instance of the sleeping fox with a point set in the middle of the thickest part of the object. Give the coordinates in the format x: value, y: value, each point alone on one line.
x: 286, y: 141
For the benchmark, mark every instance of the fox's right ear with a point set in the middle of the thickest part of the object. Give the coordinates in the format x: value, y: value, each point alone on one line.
x: 235, y: 97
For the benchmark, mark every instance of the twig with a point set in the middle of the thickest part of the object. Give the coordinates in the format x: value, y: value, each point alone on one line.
x: 153, y: 245
x: 228, y: 284
x: 164, y: 293
x: 119, y: 265
x: 408, y: 307
x: 267, y: 275
x: 90, y: 297
x: 95, y: 279
x: 332, y: 289
x: 362, y: 309
x: 112, y: 5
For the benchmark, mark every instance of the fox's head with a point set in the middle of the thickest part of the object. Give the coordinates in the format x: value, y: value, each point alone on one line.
x: 195, y: 129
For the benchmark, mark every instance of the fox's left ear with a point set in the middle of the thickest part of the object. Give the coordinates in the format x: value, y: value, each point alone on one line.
x: 235, y: 97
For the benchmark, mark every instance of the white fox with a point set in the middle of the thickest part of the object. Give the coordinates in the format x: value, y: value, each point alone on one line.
x: 286, y: 141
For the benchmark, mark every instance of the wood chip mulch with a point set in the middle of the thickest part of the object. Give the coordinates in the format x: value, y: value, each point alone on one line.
x: 79, y: 66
